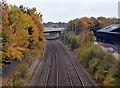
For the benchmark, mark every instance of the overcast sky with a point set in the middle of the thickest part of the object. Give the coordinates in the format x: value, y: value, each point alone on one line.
x: 65, y: 10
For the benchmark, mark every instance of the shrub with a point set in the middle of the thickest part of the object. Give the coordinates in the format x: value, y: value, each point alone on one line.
x: 93, y: 64
x: 23, y: 70
x: 73, y: 43
x: 100, y: 73
x: 85, y: 38
x: 88, y: 53
x: 103, y: 66
x: 69, y: 39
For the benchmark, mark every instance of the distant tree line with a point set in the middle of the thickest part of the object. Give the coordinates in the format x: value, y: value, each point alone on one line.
x: 55, y: 25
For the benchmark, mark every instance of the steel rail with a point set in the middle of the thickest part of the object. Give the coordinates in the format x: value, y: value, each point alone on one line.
x: 57, y: 74
x: 49, y: 67
x: 48, y: 73
x: 69, y: 76
x: 80, y: 79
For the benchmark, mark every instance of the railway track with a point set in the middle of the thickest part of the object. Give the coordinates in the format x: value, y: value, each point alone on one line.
x: 54, y: 56
x: 68, y: 73
x: 58, y: 69
x: 72, y: 85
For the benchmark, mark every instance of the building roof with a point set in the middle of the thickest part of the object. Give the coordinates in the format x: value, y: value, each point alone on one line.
x: 114, y: 28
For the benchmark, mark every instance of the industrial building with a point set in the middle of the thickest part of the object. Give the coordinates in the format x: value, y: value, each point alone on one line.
x: 109, y: 34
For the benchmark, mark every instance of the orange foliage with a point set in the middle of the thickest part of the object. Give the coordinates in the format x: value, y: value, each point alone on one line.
x: 17, y: 26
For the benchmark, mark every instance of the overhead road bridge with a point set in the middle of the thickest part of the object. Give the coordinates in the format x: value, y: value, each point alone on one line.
x: 52, y: 33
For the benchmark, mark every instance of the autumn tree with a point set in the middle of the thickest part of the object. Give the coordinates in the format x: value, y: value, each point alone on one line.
x: 80, y: 24
x: 22, y: 31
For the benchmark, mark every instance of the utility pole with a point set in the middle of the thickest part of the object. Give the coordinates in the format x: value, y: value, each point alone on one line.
x: 72, y: 27
x: 75, y: 27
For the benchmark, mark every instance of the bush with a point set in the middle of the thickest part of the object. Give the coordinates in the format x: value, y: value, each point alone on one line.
x: 103, y: 66
x: 69, y: 39
x: 88, y: 53
x: 23, y: 70
x: 93, y: 65
x: 73, y: 43
x: 18, y: 76
x: 85, y: 38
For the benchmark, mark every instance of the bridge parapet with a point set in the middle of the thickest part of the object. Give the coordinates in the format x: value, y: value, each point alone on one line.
x: 53, y: 29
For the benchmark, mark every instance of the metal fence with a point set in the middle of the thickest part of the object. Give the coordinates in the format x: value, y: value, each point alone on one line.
x: 7, y: 69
